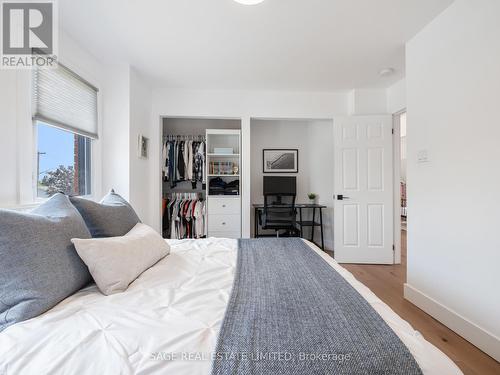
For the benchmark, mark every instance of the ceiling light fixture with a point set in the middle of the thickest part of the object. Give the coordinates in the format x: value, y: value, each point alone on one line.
x: 386, y: 72
x: 249, y: 2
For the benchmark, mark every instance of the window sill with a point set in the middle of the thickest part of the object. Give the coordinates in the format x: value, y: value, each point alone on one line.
x: 35, y: 204
x: 21, y: 207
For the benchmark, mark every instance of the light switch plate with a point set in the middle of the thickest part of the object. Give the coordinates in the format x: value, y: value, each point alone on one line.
x: 422, y: 156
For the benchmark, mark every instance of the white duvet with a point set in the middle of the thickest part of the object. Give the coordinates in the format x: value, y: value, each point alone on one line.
x: 166, y: 322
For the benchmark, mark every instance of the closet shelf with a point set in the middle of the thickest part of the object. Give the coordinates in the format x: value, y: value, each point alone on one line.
x: 224, y: 155
x: 176, y: 190
x: 224, y: 196
x: 223, y: 175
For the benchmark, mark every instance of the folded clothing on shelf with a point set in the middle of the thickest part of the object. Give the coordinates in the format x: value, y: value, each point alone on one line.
x: 217, y: 186
x: 232, y: 188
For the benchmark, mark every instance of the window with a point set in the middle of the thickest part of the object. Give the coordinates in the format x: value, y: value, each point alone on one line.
x: 65, y: 119
x: 63, y: 162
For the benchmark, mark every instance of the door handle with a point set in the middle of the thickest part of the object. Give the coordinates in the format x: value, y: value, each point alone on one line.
x: 341, y: 197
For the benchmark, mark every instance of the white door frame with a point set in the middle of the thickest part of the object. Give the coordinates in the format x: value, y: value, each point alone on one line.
x: 396, y: 126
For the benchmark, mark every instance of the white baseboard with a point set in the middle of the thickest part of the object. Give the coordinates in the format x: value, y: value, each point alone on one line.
x: 484, y: 340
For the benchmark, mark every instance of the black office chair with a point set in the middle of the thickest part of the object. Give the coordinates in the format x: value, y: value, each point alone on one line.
x: 278, y: 218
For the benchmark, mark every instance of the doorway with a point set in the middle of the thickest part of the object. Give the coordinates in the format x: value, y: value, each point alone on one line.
x: 402, y: 159
x: 400, y: 185
x: 311, y: 140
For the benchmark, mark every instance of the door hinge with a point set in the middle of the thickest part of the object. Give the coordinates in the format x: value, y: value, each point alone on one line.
x: 393, y: 248
x: 392, y: 130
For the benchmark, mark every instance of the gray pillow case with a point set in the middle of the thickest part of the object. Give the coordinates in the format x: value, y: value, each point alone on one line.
x: 112, y: 217
x: 39, y: 264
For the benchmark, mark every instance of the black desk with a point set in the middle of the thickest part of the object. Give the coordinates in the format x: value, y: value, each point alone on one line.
x: 300, y: 223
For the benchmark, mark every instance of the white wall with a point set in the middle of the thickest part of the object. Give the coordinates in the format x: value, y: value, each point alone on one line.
x: 261, y: 104
x: 127, y: 113
x: 8, y: 140
x: 140, y: 123
x: 116, y: 131
x: 367, y: 102
x: 196, y: 126
x: 453, y: 83
x: 313, y: 139
x: 396, y: 97
x: 321, y: 176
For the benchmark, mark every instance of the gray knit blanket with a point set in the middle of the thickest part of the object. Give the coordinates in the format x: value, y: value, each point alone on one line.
x: 292, y: 313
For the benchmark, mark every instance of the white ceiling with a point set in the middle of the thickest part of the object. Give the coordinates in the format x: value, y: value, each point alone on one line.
x: 316, y: 45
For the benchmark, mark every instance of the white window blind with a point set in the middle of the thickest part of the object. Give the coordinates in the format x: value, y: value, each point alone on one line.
x: 64, y: 99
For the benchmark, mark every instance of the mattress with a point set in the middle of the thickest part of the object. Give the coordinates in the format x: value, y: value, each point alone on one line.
x: 166, y: 322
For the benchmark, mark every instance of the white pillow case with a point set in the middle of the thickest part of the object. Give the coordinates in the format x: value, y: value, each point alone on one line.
x: 115, y: 262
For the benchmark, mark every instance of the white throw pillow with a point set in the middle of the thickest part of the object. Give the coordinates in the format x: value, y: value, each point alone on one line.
x: 115, y: 262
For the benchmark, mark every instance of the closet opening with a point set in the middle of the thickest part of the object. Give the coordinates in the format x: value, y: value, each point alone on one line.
x: 300, y: 149
x: 200, y: 169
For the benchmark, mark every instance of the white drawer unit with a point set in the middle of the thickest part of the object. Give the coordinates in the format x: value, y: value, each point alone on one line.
x: 224, y: 206
x: 224, y: 217
x: 224, y: 223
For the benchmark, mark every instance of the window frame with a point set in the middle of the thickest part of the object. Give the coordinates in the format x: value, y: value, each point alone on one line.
x: 35, y: 176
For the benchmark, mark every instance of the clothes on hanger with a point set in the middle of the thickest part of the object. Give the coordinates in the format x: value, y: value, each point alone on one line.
x: 199, y: 162
x: 181, y: 165
x: 183, y: 159
x: 188, y: 157
x: 184, y: 216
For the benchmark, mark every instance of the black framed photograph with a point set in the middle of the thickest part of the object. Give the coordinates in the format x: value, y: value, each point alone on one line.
x: 280, y: 160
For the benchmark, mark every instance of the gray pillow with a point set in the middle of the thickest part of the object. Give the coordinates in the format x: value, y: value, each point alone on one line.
x: 112, y: 217
x: 39, y: 264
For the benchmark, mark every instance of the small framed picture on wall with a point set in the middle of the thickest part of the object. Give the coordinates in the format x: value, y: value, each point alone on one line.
x: 143, y: 147
x: 280, y: 161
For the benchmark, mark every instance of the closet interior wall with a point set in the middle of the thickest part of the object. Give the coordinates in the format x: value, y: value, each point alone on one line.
x: 183, y: 129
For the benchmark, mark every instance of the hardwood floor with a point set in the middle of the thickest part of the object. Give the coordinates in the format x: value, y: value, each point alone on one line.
x: 387, y: 283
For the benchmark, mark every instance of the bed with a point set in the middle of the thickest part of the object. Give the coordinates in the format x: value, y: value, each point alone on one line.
x: 166, y: 322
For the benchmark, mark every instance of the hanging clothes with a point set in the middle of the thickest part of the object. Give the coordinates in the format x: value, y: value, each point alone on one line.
x: 164, y: 155
x: 199, y: 163
x: 183, y: 159
x: 181, y: 165
x: 172, y: 164
x: 189, y: 160
x: 186, y: 215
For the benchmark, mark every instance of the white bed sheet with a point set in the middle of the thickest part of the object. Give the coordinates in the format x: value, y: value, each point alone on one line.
x: 166, y: 322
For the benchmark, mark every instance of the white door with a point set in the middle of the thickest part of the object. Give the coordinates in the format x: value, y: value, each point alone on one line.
x: 363, y: 209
